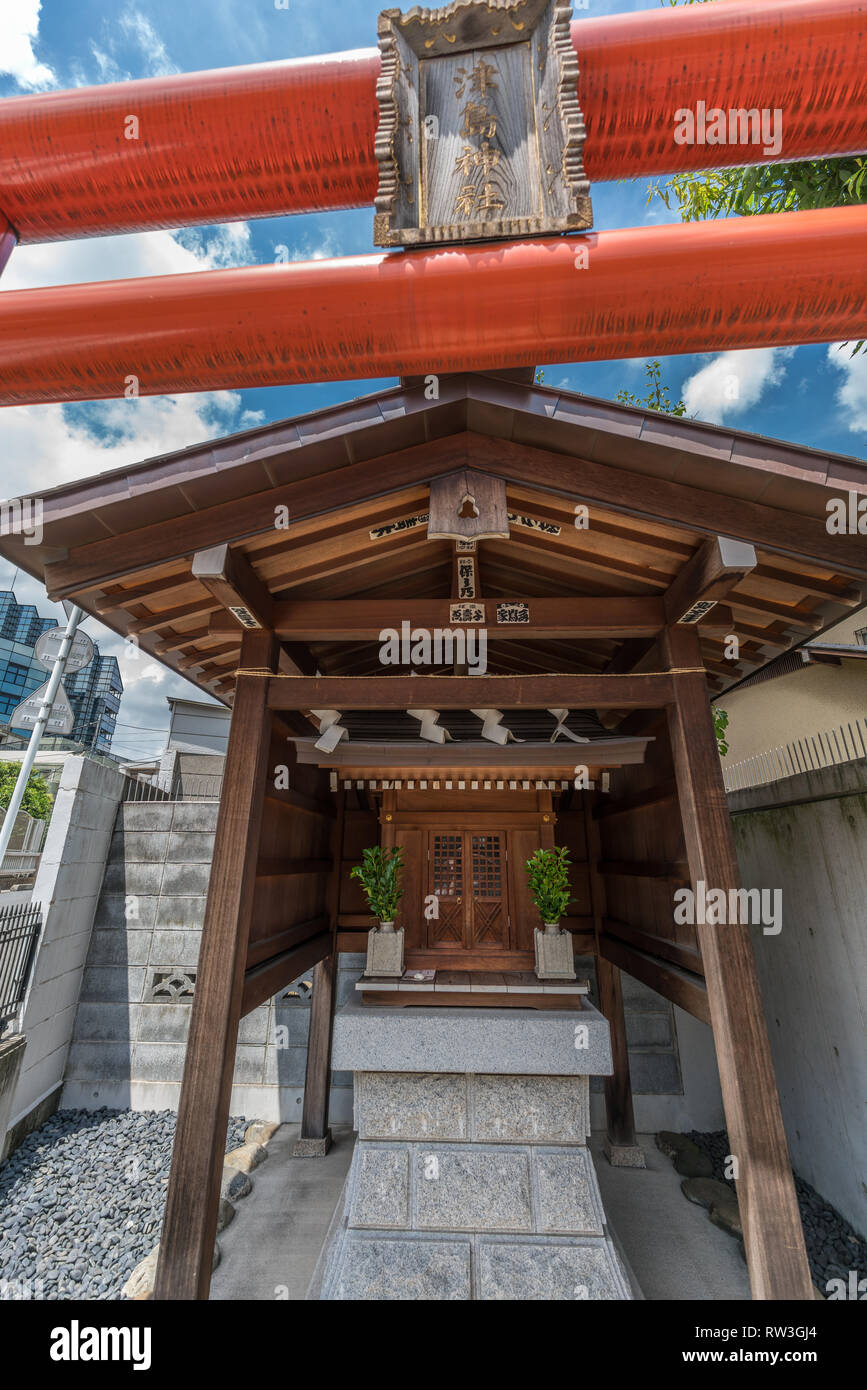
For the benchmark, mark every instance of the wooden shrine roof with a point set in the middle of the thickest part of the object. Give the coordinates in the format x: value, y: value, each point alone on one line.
x: 355, y: 479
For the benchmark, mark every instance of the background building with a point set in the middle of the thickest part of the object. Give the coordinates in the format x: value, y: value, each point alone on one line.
x: 94, y: 692
x: 20, y: 672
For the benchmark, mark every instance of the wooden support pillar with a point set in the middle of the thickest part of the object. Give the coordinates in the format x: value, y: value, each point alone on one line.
x: 621, y: 1147
x: 315, y: 1138
x: 190, y: 1223
x: 773, y: 1235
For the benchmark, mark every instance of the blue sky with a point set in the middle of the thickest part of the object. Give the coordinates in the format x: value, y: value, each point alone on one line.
x: 814, y: 395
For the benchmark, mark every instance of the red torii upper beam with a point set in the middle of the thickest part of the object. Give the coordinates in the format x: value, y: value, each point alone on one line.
x: 299, y: 136
x: 796, y: 277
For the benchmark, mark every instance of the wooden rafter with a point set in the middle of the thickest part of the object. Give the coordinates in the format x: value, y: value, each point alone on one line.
x: 715, y: 569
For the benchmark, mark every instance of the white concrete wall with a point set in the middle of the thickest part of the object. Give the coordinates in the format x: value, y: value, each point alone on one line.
x: 198, y: 728
x: 814, y: 700
x: 813, y: 975
x: 67, y: 885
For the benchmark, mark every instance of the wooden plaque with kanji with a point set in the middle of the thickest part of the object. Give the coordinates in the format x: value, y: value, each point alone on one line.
x: 480, y: 136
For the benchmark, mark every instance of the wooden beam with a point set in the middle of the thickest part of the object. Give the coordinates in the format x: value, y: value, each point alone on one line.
x: 317, y: 1076
x: 190, y: 1225
x: 715, y: 568
x: 650, y: 690
x: 230, y: 577
x: 283, y: 942
x: 681, y: 987
x: 176, y: 641
x: 619, y: 1109
x: 141, y: 593
x: 675, y: 504
x: 202, y: 606
x: 265, y: 980
x: 636, y: 801
x: 766, y: 1194
x: 346, y: 620
x: 509, y: 758
x: 685, y: 956
x: 673, y: 873
x: 318, y: 493
x: 209, y: 654
x: 291, y: 868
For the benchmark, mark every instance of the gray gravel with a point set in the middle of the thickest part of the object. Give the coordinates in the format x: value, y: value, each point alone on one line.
x: 833, y: 1246
x: 81, y: 1201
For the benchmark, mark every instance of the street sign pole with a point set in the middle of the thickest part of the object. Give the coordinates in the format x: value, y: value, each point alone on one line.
x: 52, y: 688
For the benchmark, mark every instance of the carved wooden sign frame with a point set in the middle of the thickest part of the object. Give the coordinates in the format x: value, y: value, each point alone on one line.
x: 480, y: 133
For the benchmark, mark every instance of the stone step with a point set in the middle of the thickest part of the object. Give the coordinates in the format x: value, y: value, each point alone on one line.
x: 464, y: 1221
x: 471, y: 1187
x: 479, y: 1268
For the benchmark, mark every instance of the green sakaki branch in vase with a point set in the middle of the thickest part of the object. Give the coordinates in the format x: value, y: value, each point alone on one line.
x: 548, y: 880
x: 379, y: 875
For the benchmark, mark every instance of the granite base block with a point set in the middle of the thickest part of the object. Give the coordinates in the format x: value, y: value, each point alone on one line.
x: 624, y: 1155
x: 430, y: 1212
x: 312, y: 1148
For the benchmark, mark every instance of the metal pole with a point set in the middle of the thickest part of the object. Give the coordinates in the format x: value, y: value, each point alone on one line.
x: 38, y: 730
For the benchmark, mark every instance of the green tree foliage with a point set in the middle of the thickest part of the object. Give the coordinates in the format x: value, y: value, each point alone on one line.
x: 720, y: 724
x: 379, y: 875
x: 37, y: 798
x: 767, y: 188
x: 657, y: 397
x: 548, y: 880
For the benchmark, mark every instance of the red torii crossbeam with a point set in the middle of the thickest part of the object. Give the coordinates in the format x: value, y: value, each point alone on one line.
x: 298, y: 136
x: 739, y: 283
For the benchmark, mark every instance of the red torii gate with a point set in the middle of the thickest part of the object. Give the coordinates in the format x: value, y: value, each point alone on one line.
x: 299, y: 136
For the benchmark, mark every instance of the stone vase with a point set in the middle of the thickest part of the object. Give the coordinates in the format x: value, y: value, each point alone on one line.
x: 384, y: 951
x: 554, y: 957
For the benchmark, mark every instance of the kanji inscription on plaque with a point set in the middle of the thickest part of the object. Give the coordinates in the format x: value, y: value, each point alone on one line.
x: 480, y: 133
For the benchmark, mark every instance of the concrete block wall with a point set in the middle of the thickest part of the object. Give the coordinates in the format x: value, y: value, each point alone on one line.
x: 133, y: 1016
x: 807, y: 837
x: 11, y: 1057
x: 672, y: 1063
x: 67, y: 885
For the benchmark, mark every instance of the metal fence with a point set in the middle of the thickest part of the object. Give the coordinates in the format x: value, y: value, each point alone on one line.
x: 184, y: 787
x: 841, y: 745
x: 25, y: 847
x: 20, y: 925
x: 143, y: 789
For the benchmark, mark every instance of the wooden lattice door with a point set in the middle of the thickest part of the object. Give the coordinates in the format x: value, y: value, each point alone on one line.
x: 445, y: 930
x: 488, y: 918
x: 469, y: 883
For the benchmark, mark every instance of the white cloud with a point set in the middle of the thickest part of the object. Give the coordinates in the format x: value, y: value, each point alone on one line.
x: 734, y: 382
x: 19, y: 27
x: 128, y: 256
x: 136, y: 26
x: 852, y: 392
x: 44, y: 445
x: 309, y: 249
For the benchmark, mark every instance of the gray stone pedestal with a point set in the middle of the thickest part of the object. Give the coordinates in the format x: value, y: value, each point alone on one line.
x: 471, y: 1178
